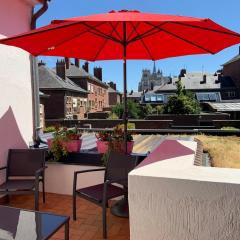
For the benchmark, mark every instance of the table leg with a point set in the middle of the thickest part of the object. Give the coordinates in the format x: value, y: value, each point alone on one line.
x: 67, y: 230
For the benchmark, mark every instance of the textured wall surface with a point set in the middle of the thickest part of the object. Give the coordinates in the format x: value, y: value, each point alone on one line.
x: 16, y: 122
x: 174, y: 200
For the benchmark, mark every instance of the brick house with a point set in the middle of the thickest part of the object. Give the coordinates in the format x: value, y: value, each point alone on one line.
x: 114, y: 96
x: 231, y: 69
x: 66, y: 99
x: 97, y: 90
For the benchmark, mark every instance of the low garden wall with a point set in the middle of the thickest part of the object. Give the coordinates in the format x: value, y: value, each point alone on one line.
x: 108, y: 123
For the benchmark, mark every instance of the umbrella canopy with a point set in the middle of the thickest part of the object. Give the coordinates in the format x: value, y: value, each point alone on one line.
x: 126, y: 35
x: 145, y: 36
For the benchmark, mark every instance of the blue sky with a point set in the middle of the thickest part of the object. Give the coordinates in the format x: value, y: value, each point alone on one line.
x: 224, y: 12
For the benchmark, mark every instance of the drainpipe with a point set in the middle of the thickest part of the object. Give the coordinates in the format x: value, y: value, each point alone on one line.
x: 35, y: 79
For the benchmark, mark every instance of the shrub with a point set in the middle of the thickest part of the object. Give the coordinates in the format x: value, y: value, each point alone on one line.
x: 183, y: 103
x: 49, y: 129
x: 133, y: 109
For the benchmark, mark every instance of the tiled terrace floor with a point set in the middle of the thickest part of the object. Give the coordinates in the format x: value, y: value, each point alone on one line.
x: 89, y: 223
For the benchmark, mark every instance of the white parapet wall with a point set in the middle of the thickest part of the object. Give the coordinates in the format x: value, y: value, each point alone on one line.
x: 172, y: 199
x: 59, y: 177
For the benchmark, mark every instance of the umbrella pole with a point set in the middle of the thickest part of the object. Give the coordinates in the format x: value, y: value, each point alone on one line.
x: 125, y: 114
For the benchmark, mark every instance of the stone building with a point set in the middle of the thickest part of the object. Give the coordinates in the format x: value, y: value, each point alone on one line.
x: 207, y: 87
x: 66, y: 99
x: 150, y: 80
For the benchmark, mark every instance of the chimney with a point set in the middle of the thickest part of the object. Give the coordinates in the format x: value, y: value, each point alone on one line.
x: 182, y: 73
x: 41, y: 63
x: 170, y: 80
x: 61, y: 69
x: 77, y: 62
x: 85, y: 66
x: 204, y: 79
x: 97, y: 71
x: 67, y: 62
x: 112, y: 85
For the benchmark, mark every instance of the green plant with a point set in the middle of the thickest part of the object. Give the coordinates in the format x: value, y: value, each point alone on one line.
x: 183, y: 103
x: 60, y: 137
x: 129, y: 125
x: 115, y: 139
x: 159, y: 109
x: 49, y: 129
x: 229, y: 128
x: 113, y: 116
x: 133, y: 110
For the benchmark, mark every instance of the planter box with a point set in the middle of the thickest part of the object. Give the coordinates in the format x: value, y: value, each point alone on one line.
x: 71, y: 146
x: 102, y: 146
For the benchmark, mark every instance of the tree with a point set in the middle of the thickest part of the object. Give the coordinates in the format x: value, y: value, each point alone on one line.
x: 183, y: 103
x: 133, y: 109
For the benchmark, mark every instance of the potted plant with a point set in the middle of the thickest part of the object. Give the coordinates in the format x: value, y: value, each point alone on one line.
x: 63, y: 142
x: 103, y: 139
x: 118, y: 140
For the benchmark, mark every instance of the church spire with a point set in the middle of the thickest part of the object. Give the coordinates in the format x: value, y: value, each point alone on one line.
x: 154, y: 67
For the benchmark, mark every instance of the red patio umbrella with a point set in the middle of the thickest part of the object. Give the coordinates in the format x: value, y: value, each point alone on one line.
x: 126, y: 35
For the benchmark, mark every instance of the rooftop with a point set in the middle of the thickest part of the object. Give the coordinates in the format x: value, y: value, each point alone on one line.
x: 233, y: 106
x: 77, y: 72
x: 49, y: 80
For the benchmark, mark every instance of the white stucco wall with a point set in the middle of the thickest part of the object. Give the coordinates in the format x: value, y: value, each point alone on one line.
x: 16, y: 121
x: 173, y: 199
x: 59, y: 177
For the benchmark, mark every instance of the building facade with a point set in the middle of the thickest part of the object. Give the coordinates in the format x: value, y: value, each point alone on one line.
x: 65, y: 100
x: 97, y: 98
x: 207, y: 87
x: 231, y: 69
x: 16, y: 113
x: 114, y: 96
x: 151, y: 80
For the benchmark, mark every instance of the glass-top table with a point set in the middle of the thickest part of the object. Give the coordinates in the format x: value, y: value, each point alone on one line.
x: 19, y: 224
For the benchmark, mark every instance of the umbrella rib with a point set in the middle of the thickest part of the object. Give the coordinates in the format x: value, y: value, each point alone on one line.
x: 141, y: 39
x: 101, y: 34
x: 148, y: 33
x: 69, y: 39
x: 207, y: 29
x: 185, y: 40
x: 113, y: 27
x: 131, y: 33
x: 104, y: 43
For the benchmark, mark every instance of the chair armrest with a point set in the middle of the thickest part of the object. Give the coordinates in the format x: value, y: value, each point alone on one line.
x: 89, y: 170
x: 83, y: 171
x: 39, y: 172
x: 2, y: 168
x: 119, y: 180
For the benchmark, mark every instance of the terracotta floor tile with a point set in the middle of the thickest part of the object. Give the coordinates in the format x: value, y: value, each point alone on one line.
x: 88, y: 225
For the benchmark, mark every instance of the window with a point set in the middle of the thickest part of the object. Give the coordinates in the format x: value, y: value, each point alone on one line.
x: 159, y: 98
x: 211, y: 96
x: 153, y: 98
x: 231, y: 94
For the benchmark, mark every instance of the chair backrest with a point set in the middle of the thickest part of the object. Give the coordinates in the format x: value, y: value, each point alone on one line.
x: 119, y: 165
x: 25, y: 162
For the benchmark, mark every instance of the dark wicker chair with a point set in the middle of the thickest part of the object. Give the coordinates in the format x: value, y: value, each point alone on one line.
x: 24, y: 171
x: 116, y: 171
